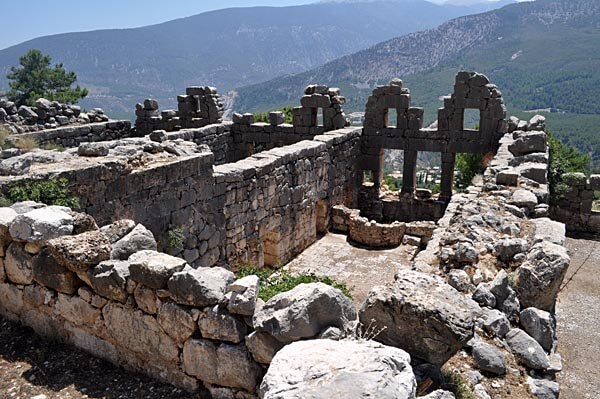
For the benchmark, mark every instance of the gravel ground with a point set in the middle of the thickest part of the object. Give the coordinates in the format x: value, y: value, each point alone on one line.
x: 578, y: 310
x: 33, y: 368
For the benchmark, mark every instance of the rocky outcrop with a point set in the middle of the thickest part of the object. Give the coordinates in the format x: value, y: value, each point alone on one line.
x: 344, y: 369
x: 422, y: 315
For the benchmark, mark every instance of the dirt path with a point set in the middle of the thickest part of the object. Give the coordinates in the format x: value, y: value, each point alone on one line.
x: 578, y: 316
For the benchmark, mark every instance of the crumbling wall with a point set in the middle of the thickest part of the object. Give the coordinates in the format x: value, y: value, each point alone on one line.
x: 575, y: 206
x: 198, y: 107
x: 72, y: 136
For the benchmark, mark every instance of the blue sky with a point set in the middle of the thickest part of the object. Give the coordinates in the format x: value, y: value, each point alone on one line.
x: 28, y: 19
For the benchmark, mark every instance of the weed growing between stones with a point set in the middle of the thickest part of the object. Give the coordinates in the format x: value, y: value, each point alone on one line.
x: 175, y: 239
x: 456, y: 384
x: 26, y: 144
x: 273, y: 282
x: 50, y: 192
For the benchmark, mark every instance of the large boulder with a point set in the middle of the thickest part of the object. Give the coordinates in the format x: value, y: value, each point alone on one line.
x: 153, y: 269
x: 304, y: 312
x: 540, y: 276
x: 79, y: 253
x: 422, y: 315
x: 40, y: 225
x: 138, y: 239
x: 339, y: 369
x: 527, y: 350
x: 489, y: 358
x: 200, y: 288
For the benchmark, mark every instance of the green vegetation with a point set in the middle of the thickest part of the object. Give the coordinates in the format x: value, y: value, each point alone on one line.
x: 175, y: 239
x: 35, y: 79
x: 563, y: 159
x: 273, y: 282
x: 49, y: 192
x: 393, y: 183
x: 468, y: 166
x: 456, y: 384
x: 264, y: 116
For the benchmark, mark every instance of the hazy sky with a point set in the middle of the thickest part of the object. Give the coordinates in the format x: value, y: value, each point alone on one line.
x: 28, y: 19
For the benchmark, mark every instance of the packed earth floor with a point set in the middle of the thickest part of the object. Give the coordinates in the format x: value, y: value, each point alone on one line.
x: 578, y: 308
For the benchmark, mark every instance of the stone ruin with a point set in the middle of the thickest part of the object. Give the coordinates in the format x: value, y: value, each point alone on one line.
x: 483, y: 283
x: 199, y: 107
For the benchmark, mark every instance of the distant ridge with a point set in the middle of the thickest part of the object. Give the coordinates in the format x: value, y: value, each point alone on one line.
x: 225, y: 48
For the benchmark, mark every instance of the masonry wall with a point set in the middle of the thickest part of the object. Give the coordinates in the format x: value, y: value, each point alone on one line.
x: 575, y: 206
x: 146, y: 322
x: 72, y: 136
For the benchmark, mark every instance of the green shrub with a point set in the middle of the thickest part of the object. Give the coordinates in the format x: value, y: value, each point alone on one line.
x: 563, y: 159
x: 49, y: 192
x: 456, y: 384
x: 175, y: 239
x: 273, y: 282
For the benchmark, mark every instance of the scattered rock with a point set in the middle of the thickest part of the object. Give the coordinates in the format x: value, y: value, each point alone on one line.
x: 524, y: 199
x: 527, y: 350
x: 459, y: 279
x: 495, y: 323
x: 540, y: 325
x: 543, y: 389
x: 489, y: 359
x: 339, y: 369
x: 93, y: 149
x: 138, y: 239
x: 304, y: 312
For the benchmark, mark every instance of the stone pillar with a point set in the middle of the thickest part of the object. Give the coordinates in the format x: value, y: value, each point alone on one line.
x: 378, y: 172
x: 409, y: 175
x: 448, y: 160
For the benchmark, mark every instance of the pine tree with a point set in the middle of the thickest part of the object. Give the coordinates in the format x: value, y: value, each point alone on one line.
x: 35, y: 78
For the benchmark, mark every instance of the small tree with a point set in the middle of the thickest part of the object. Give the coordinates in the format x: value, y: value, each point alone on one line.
x: 35, y: 78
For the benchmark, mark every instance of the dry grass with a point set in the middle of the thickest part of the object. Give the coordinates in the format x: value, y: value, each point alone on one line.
x: 26, y: 144
x: 4, y: 133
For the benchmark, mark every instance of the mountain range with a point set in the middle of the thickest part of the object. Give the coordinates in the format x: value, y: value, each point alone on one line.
x: 544, y: 55
x: 226, y: 48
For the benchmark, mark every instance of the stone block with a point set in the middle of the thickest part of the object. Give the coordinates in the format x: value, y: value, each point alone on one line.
x: 215, y: 323
x: 154, y: 269
x: 177, y: 321
x: 49, y: 273
x: 79, y: 253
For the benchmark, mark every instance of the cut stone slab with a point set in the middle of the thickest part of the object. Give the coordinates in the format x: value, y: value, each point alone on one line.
x: 304, y: 312
x: 79, y: 253
x: 421, y: 314
x: 40, y: 225
x: 527, y: 350
x: 138, y: 239
x: 154, y: 269
x: 339, y: 369
x: 202, y: 287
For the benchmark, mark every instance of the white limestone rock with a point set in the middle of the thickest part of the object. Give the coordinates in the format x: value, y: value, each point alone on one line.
x: 304, y: 312
x: 339, y: 369
x: 41, y: 225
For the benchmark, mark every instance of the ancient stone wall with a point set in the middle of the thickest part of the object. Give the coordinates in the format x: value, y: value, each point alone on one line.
x: 72, y: 136
x: 574, y: 207
x: 46, y: 114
